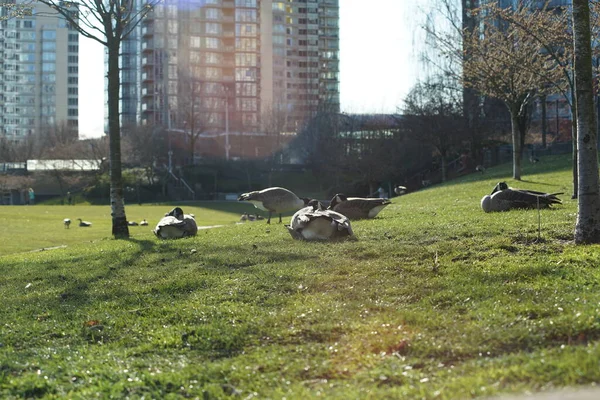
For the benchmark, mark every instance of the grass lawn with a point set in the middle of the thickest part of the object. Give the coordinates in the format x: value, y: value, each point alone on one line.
x: 435, y: 300
x: 41, y: 226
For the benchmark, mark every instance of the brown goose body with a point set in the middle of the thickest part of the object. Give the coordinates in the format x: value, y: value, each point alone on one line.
x: 175, y: 225
x: 358, y: 207
x: 275, y: 200
x: 316, y: 223
x: 504, y: 198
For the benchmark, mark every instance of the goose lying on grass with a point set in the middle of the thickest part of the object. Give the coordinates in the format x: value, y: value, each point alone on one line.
x: 144, y: 222
x: 274, y: 200
x: 505, y: 198
x: 84, y: 223
x: 357, y: 207
x: 176, y: 224
x: 316, y: 223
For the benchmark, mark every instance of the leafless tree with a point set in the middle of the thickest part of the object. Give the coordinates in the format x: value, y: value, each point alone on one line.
x: 587, y: 228
x: 108, y: 22
x: 433, y: 114
x: 190, y: 113
x: 503, y: 63
x: 143, y: 147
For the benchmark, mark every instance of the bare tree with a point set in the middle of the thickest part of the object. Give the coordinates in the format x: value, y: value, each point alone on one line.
x: 433, y: 114
x: 143, y: 146
x: 503, y: 63
x: 190, y: 114
x: 546, y: 26
x: 587, y: 228
x: 108, y: 22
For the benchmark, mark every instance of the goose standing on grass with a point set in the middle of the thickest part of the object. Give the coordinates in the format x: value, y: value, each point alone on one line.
x: 275, y: 200
x: 175, y: 224
x: 504, y: 198
x: 84, y: 223
x: 357, y: 207
x: 67, y: 223
x: 317, y: 223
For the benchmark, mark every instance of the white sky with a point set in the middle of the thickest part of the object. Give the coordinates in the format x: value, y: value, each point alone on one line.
x: 377, y: 61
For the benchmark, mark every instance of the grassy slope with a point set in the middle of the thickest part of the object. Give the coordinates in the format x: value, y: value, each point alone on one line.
x: 41, y: 226
x: 435, y: 300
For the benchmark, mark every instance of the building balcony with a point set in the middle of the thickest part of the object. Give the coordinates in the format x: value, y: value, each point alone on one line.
x: 148, y: 46
x: 147, y: 30
x: 148, y: 76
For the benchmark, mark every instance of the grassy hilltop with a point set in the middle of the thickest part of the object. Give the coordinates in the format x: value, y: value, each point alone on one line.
x: 435, y: 300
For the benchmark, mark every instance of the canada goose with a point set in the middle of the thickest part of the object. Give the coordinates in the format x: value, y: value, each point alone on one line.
x: 176, y: 225
x: 480, y: 168
x: 67, y: 223
x: 504, y: 198
x: 317, y: 223
x: 84, y: 223
x: 400, y: 190
x: 357, y: 207
x: 144, y: 222
x: 534, y: 159
x: 244, y: 217
x: 274, y: 200
x: 132, y: 223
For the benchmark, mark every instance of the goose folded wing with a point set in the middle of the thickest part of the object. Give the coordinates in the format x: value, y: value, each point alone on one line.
x: 524, y: 199
x: 172, y: 221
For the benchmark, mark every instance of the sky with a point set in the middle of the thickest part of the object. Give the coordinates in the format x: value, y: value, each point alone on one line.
x: 378, y: 61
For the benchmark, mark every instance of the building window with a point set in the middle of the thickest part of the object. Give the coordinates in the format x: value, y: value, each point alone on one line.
x: 72, y: 112
x: 49, y: 35
x: 49, y: 46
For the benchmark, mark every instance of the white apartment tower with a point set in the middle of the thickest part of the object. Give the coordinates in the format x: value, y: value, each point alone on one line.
x: 38, y: 73
x: 253, y: 60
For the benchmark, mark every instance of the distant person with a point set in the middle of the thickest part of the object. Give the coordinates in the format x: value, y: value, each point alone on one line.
x: 31, y: 196
x: 69, y: 198
x: 382, y: 193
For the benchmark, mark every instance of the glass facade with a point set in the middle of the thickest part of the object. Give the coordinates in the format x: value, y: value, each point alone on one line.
x: 38, y: 74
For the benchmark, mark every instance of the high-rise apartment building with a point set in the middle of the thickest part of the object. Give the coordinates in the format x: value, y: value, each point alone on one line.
x: 38, y: 73
x: 252, y: 61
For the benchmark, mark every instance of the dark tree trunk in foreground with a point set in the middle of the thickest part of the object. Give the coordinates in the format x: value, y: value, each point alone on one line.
x: 516, y: 142
x: 120, y: 229
x: 587, y: 228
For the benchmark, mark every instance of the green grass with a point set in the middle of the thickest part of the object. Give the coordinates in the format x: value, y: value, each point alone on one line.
x: 436, y: 299
x: 29, y: 228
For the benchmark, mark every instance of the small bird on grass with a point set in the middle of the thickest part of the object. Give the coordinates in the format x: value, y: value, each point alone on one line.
x: 67, y: 223
x: 84, y: 223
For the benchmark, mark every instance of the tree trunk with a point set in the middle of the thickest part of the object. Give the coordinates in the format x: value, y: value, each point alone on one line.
x: 516, y: 142
x: 120, y: 230
x: 544, y: 122
x: 444, y: 167
x: 574, y: 150
x: 587, y: 228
